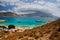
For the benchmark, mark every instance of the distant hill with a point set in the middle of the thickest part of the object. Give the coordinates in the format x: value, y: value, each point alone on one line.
x: 36, y: 13
x: 33, y: 13
x: 7, y: 14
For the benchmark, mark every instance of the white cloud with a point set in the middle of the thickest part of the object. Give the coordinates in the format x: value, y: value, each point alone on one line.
x: 38, y: 4
x: 58, y: 3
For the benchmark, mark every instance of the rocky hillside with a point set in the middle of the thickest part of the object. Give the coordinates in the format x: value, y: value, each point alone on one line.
x: 7, y: 14
x: 49, y: 31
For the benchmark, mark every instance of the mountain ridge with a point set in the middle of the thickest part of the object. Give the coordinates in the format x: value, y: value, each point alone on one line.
x: 35, y: 14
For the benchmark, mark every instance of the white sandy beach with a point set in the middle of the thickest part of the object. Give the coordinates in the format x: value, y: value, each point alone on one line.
x: 21, y: 29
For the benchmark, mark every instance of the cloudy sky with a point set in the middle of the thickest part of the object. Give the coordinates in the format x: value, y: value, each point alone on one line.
x: 51, y: 6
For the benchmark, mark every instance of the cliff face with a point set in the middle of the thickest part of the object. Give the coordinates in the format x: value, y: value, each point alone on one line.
x: 49, y: 31
x: 7, y: 14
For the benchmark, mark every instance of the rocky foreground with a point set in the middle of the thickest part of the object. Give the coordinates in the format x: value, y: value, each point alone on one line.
x: 49, y: 31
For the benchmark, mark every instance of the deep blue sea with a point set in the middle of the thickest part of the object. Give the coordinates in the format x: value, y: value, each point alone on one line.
x: 25, y: 21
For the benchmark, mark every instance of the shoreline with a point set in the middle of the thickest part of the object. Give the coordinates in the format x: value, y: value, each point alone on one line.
x: 20, y: 28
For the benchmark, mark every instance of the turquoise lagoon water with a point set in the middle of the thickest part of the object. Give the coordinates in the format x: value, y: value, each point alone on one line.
x: 24, y: 21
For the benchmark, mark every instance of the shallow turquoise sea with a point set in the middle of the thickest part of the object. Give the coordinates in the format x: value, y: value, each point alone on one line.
x: 25, y: 21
